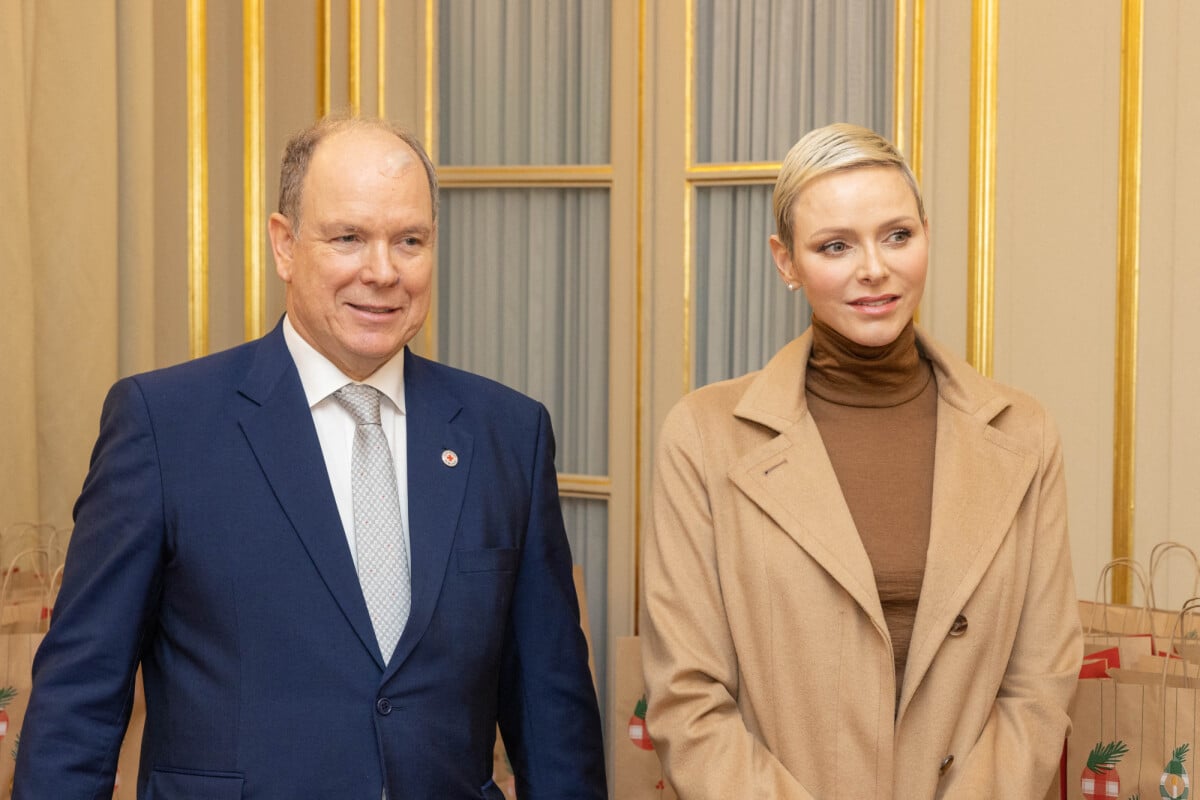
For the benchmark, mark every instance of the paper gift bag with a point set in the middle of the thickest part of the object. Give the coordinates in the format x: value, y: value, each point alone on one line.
x: 637, y: 773
x: 1131, y: 738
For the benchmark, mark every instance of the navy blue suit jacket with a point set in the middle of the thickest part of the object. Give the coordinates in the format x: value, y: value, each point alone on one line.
x: 209, y: 550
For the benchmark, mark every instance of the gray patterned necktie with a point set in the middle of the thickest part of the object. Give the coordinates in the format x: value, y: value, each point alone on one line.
x: 383, y: 568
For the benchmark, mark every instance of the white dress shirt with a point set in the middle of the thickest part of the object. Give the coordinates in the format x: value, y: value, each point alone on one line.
x: 335, y: 425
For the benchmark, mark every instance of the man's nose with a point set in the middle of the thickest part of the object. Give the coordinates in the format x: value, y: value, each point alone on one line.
x: 378, y: 267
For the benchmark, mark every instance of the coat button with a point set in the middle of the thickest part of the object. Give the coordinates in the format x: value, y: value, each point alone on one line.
x: 959, y: 627
x: 946, y: 764
x: 384, y: 706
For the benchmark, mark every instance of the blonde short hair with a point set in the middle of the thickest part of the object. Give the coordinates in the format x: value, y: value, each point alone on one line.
x: 830, y: 149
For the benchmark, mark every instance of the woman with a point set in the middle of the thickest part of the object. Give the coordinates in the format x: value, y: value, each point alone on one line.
x: 858, y: 577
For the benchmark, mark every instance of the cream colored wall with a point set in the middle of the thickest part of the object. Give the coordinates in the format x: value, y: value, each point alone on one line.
x: 1168, y: 444
x: 1056, y: 257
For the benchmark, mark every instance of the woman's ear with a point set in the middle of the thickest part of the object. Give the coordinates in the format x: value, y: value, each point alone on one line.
x: 783, y: 263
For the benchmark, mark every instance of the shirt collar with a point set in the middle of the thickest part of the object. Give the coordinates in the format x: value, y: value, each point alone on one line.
x: 320, y: 378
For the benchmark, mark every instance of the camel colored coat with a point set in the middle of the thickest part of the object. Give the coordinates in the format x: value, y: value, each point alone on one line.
x: 768, y: 663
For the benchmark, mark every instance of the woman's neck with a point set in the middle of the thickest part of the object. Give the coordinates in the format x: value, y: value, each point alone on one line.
x: 843, y: 371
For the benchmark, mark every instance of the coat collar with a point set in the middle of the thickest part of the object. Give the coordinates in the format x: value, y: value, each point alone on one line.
x: 980, y: 477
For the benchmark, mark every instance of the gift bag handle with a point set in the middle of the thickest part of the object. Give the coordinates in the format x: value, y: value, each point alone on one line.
x: 1157, y: 554
x: 1103, y: 597
x: 41, y: 575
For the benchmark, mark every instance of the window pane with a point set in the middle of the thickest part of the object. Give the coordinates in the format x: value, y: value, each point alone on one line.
x: 743, y: 311
x: 767, y: 71
x: 523, y: 81
x: 523, y: 298
x: 587, y: 531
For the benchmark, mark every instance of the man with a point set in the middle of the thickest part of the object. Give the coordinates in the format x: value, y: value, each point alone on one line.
x: 305, y: 630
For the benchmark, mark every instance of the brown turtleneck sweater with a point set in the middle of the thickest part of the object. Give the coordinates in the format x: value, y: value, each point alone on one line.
x: 876, y: 409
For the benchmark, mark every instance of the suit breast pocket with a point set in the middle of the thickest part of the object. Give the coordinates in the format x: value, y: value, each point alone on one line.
x: 488, y: 559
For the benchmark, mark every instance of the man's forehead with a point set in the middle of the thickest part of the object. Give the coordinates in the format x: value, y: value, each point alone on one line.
x: 359, y: 152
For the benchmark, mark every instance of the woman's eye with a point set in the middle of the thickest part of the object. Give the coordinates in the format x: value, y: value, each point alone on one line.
x: 834, y: 248
x: 900, y: 236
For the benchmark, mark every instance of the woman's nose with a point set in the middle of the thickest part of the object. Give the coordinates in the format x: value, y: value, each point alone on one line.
x: 872, y: 266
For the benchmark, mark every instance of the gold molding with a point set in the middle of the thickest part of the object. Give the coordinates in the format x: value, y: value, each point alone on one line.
x: 640, y: 328
x: 689, y: 154
x: 689, y: 195
x: 746, y: 172
x: 981, y: 207
x: 354, y: 55
x: 899, y: 65
x: 197, y: 176
x: 430, y: 136
x: 587, y: 486
x: 917, y: 122
x: 381, y: 58
x: 526, y: 176
x: 324, y: 57
x: 429, y: 139
x: 1128, y: 221
x: 253, y: 170
x: 689, y: 89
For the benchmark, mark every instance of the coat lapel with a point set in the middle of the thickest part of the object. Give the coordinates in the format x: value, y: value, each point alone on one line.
x: 791, y: 478
x: 980, y: 477
x: 435, y: 490
x: 279, y: 429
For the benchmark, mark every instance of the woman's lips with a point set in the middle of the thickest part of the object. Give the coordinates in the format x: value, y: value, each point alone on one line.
x: 876, y: 305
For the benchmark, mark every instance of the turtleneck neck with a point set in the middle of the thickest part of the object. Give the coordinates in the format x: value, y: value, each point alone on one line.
x: 847, y: 373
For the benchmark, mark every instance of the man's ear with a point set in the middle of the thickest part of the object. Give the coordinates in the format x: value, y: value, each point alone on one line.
x: 783, y: 263
x: 283, y: 242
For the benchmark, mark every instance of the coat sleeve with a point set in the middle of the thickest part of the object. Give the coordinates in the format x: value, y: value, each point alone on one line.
x: 1029, y: 720
x: 84, y: 672
x: 548, y: 713
x: 688, y: 657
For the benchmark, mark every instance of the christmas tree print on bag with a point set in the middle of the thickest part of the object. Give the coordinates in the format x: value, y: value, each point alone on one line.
x: 1100, y: 780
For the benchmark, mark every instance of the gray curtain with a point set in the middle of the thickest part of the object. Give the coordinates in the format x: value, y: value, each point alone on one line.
x: 766, y: 72
x: 523, y: 81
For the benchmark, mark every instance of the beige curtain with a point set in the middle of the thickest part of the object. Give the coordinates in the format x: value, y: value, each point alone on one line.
x: 64, y: 249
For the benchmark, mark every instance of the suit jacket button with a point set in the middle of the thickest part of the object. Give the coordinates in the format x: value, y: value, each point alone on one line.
x: 946, y: 763
x: 959, y: 627
x: 384, y: 706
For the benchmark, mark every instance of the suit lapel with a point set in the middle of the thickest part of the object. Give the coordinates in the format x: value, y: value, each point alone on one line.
x: 980, y: 477
x: 279, y: 429
x: 435, y: 490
